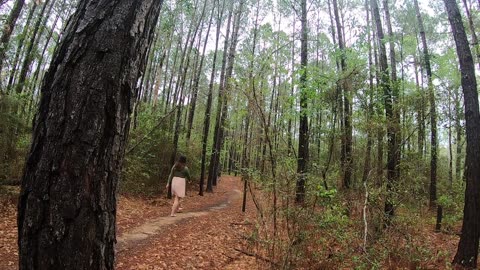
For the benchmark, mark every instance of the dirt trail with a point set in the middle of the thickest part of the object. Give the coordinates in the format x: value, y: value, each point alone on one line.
x: 206, y: 237
x: 155, y: 226
x: 203, y: 236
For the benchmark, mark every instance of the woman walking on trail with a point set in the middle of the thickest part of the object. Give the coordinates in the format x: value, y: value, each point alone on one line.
x: 177, y: 178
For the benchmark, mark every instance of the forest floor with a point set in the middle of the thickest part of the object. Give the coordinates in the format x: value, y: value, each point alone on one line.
x: 208, y: 234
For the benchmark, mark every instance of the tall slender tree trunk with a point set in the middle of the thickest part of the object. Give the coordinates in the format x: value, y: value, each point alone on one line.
x: 420, y: 113
x: 45, y: 47
x: 8, y: 29
x: 147, y: 80
x: 158, y: 79
x: 450, y: 146
x: 467, y: 252
x: 379, y: 111
x: 458, y: 136
x: 197, y: 79
x: 37, y: 33
x: 213, y: 166
x: 302, y: 159
x: 331, y: 145
x: 471, y: 25
x: 292, y: 89
x: 206, y: 121
x: 385, y: 84
x: 228, y: 85
x: 34, y: 86
x: 366, y: 167
x: 433, y: 114
x: 395, y: 89
x: 67, y: 204
x: 347, y: 121
x: 276, y: 111
x: 21, y: 43
x: 165, y: 91
x: 169, y: 91
x: 161, y: 71
x: 252, y: 85
x: 181, y: 85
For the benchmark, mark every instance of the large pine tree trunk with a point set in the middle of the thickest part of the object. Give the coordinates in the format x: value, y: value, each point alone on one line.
x: 251, y: 84
x: 366, y: 167
x: 186, y: 58
x: 395, y: 86
x: 347, y: 116
x: 468, y: 246
x: 303, y: 128
x: 197, y: 79
x: 385, y: 85
x: 212, y: 170
x: 208, y: 109
x: 67, y: 205
x: 379, y: 110
x: 227, y: 87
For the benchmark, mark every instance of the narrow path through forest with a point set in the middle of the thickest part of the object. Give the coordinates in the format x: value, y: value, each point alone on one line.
x: 155, y: 226
x: 205, y: 235
x: 208, y: 233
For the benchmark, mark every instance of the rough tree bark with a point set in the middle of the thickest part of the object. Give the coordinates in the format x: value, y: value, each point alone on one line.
x: 379, y: 110
x: 366, y: 167
x: 347, y: 114
x: 227, y: 88
x: 184, y: 66
x: 467, y: 252
x: 387, y: 93
x: 458, y: 135
x: 395, y: 89
x: 67, y: 204
x: 251, y: 85
x: 208, y: 109
x: 214, y: 156
x: 303, y: 129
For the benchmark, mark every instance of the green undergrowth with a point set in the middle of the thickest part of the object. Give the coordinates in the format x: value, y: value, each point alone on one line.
x: 340, y: 229
x: 148, y: 157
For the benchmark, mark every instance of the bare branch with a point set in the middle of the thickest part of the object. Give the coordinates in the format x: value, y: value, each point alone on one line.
x: 151, y: 131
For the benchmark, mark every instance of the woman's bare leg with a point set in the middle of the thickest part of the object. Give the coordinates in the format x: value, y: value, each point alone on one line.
x: 176, y: 203
x: 179, y: 204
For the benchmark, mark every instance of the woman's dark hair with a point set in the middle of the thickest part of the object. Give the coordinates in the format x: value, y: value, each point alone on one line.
x: 181, y: 162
